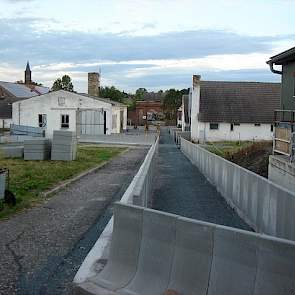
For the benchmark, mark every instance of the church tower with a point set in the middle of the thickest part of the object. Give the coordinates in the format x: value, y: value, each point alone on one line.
x: 28, y: 74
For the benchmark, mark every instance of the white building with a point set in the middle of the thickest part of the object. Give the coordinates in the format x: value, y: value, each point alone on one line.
x: 230, y: 111
x: 63, y: 110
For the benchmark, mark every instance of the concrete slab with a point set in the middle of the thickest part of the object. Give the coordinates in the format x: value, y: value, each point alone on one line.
x: 124, y: 251
x: 192, y: 257
x: 156, y: 254
x: 276, y: 267
x: 234, y: 262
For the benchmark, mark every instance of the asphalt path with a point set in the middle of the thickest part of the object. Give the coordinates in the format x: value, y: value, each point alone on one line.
x: 180, y: 188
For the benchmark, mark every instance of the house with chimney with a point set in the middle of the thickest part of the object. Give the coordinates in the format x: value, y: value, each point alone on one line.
x: 86, y: 114
x: 230, y: 111
x: 11, y: 92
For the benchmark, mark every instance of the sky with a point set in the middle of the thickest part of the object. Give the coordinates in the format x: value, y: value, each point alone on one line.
x: 156, y: 44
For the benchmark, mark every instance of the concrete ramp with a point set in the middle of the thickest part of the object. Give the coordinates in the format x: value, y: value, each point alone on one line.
x: 153, y: 252
x: 124, y: 249
x: 156, y: 255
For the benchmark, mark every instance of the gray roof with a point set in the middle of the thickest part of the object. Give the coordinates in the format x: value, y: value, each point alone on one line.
x: 103, y: 99
x: 22, y: 90
x: 239, y: 102
x: 283, y: 57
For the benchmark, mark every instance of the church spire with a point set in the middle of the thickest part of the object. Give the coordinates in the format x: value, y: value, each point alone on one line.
x: 28, y: 74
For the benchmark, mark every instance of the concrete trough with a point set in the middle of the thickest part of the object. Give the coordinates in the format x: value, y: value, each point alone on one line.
x: 153, y: 252
x: 37, y: 149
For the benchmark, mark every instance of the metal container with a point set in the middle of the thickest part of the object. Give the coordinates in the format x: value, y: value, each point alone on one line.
x: 3, y: 175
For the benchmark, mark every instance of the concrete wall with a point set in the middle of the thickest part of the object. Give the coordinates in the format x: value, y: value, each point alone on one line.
x: 26, y: 112
x: 138, y: 192
x: 282, y: 172
x: 117, y: 111
x: 153, y: 252
x: 265, y: 206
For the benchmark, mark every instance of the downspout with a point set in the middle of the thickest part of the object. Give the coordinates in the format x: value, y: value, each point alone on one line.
x: 270, y: 63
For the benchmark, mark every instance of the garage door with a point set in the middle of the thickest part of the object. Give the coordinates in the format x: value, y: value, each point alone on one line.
x: 91, y: 122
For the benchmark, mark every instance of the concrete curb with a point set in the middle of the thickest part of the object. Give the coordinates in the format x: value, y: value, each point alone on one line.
x: 65, y: 183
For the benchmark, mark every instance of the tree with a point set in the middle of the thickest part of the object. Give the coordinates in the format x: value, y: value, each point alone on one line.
x: 172, y: 101
x: 139, y: 94
x: 65, y: 83
x: 113, y: 93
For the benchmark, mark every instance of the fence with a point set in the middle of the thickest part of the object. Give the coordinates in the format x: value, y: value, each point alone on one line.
x: 27, y: 130
x: 265, y: 206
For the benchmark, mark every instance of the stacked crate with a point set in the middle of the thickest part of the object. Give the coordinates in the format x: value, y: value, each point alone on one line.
x: 37, y: 149
x: 64, y: 146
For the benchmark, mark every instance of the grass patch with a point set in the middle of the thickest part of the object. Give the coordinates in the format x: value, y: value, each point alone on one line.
x: 30, y: 178
x: 226, y: 148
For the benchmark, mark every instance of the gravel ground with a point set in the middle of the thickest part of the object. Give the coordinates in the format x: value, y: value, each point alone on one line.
x: 42, y: 248
x: 180, y: 188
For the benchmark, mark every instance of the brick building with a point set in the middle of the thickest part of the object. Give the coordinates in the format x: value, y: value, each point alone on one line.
x: 146, y: 111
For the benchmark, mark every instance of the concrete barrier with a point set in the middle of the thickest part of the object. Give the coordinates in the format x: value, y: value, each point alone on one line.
x: 124, y: 139
x: 265, y: 206
x: 12, y: 151
x: 193, y: 257
x: 124, y: 250
x: 138, y: 192
x: 64, y: 146
x: 37, y: 149
x: 182, y: 134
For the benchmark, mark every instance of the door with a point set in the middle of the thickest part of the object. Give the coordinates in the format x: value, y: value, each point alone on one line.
x: 91, y: 122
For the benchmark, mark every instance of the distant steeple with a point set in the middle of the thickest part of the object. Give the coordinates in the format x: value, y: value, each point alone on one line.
x: 28, y: 74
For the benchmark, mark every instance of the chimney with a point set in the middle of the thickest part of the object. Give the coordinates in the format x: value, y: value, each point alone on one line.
x: 93, y: 84
x: 196, y: 80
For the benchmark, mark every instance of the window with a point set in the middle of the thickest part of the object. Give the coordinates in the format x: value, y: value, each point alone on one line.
x: 214, y: 126
x: 257, y: 124
x: 271, y: 128
x: 231, y: 127
x: 61, y: 101
x: 42, y: 120
x: 65, y: 121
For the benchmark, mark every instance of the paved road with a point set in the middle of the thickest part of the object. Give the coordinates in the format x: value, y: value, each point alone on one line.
x: 182, y: 189
x: 41, y: 249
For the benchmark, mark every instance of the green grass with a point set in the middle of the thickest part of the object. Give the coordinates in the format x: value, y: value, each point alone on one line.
x: 225, y: 148
x: 28, y: 179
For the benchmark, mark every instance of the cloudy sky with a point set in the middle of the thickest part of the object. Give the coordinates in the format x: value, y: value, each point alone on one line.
x: 156, y: 44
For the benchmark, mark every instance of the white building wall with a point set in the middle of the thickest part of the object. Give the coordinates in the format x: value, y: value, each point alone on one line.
x: 242, y: 132
x: 194, y: 98
x: 26, y: 112
x: 116, y: 111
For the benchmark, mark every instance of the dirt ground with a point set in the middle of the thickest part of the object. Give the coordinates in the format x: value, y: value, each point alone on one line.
x: 252, y: 155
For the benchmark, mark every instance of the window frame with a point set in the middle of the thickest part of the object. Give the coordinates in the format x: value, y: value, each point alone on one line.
x: 65, y: 124
x: 42, y: 123
x: 214, y: 124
